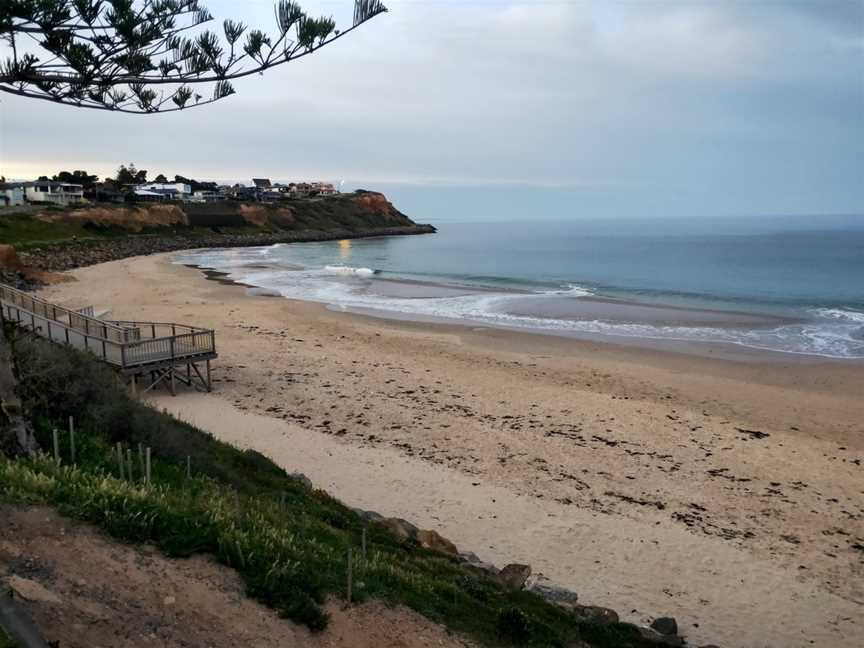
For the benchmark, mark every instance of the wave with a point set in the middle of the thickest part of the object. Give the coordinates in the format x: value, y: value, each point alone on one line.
x: 349, y: 270
x: 571, y: 290
x: 827, y: 332
x: 840, y: 314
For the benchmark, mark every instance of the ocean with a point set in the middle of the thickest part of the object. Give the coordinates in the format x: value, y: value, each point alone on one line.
x: 785, y: 285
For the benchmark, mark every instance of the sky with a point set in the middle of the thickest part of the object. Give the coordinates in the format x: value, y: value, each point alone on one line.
x: 680, y: 108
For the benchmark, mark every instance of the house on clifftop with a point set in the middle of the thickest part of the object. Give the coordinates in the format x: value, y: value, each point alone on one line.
x: 58, y: 193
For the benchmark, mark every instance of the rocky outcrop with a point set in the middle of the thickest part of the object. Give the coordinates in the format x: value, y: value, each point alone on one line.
x: 132, y: 219
x: 75, y: 254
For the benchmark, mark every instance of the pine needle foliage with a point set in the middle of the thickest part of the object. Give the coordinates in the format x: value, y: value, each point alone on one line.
x: 144, y: 56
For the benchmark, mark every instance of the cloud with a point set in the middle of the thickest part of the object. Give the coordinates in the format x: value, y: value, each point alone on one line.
x: 651, y: 97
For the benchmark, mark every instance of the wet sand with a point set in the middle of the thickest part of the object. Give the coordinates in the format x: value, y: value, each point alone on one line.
x: 723, y: 491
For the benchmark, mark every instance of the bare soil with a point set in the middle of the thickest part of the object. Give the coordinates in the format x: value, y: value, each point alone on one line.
x: 85, y: 590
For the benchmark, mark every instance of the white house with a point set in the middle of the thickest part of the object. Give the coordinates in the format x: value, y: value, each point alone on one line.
x: 206, y: 196
x: 59, y: 193
x: 171, y: 190
x: 11, y: 194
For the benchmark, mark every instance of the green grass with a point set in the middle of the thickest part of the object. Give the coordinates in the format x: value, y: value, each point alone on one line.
x: 6, y: 641
x: 288, y: 542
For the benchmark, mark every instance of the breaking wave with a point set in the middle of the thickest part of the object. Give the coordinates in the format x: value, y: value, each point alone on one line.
x: 825, y: 332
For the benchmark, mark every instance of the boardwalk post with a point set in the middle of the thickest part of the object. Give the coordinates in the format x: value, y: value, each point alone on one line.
x: 56, y: 447
x: 209, y: 384
x: 72, y: 440
x: 120, y: 460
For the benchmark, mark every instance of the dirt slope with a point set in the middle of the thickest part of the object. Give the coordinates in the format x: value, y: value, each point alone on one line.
x: 89, y: 591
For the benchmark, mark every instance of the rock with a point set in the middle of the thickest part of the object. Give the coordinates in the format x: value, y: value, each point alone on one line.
x: 603, y: 616
x: 432, y: 540
x: 513, y: 576
x: 665, y: 625
x: 169, y: 600
x: 551, y: 591
x: 400, y: 528
x: 659, y: 639
x: 303, y: 479
x: 30, y: 590
x: 472, y: 562
x: 369, y: 516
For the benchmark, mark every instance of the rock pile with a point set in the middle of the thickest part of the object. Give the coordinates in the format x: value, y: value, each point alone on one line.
x: 76, y: 254
x: 515, y: 577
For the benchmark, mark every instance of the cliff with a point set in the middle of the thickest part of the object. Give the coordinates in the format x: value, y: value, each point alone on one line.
x: 52, y: 239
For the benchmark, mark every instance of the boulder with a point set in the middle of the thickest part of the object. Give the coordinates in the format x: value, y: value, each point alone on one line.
x: 30, y: 590
x: 369, y: 516
x: 658, y: 639
x: 472, y: 563
x: 432, y: 540
x: 665, y: 625
x: 303, y: 479
x: 551, y: 591
x: 600, y: 615
x: 513, y: 576
x: 400, y: 528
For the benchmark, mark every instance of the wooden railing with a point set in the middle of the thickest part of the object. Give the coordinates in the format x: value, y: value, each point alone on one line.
x: 82, y: 321
x: 124, y: 344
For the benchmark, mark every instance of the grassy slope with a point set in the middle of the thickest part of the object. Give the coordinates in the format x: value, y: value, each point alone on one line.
x: 288, y: 542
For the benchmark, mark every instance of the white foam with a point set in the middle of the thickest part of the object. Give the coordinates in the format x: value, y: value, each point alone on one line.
x: 835, y: 333
x: 571, y: 290
x: 349, y: 270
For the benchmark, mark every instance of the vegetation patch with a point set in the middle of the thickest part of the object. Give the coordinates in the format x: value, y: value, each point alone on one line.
x: 289, y: 543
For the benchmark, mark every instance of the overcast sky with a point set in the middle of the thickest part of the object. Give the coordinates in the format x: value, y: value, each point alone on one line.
x: 733, y: 107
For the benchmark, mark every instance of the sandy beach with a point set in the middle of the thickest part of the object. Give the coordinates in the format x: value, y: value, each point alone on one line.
x: 726, y: 491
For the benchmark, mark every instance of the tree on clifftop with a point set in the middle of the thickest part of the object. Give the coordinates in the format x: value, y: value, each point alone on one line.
x: 141, y: 56
x: 130, y: 175
x: 76, y: 177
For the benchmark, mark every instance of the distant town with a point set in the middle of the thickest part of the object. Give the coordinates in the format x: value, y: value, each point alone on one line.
x: 132, y: 186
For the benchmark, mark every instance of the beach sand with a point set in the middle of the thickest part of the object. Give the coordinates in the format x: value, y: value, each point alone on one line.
x: 726, y: 491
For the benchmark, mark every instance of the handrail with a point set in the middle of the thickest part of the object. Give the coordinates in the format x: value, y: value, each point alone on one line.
x: 128, y: 350
x: 77, y: 320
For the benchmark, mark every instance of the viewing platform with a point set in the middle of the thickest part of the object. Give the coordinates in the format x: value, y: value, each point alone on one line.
x: 148, y: 353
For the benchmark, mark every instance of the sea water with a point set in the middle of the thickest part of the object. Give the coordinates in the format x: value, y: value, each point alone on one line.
x: 785, y: 285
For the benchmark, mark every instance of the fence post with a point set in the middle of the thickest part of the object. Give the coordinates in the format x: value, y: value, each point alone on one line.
x: 147, y: 466
x: 120, y: 460
x: 72, y: 440
x: 141, y: 461
x: 56, y: 447
x: 350, y: 575
x: 188, y: 467
x: 129, y: 464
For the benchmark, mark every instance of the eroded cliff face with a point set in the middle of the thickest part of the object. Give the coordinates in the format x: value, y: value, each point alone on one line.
x: 360, y: 210
x: 134, y: 219
x: 377, y: 203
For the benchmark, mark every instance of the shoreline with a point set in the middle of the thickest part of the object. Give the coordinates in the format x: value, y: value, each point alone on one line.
x: 805, y: 333
x: 689, y: 347
x: 633, y: 475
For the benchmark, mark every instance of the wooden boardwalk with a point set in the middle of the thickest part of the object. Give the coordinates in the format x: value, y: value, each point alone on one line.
x: 144, y: 352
